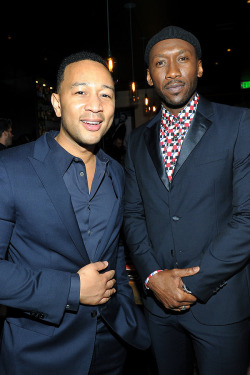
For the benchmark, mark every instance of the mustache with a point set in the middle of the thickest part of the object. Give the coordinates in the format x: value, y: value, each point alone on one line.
x: 173, y: 82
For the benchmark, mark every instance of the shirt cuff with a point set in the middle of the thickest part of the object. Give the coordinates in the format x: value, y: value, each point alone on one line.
x: 74, y: 293
x: 148, y: 278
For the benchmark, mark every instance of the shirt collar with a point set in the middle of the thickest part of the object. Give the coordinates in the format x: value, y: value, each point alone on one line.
x: 63, y: 158
x: 190, y: 108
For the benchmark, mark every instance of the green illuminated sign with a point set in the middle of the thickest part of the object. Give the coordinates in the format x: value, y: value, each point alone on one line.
x: 245, y: 84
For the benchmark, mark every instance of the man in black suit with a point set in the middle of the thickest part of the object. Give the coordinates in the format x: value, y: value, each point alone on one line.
x: 187, y: 204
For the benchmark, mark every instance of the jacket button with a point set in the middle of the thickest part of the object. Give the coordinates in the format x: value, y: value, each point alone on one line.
x: 176, y: 218
x: 93, y: 313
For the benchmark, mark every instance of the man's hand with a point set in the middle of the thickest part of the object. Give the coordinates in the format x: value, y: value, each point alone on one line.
x: 96, y: 288
x: 167, y: 287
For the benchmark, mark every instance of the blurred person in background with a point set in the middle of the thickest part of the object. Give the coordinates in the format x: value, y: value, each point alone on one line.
x: 6, y: 135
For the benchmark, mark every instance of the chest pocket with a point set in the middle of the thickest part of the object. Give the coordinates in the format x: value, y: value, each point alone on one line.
x: 211, y: 158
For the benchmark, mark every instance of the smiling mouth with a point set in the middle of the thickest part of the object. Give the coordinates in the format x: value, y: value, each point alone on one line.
x: 91, y: 122
x: 92, y: 125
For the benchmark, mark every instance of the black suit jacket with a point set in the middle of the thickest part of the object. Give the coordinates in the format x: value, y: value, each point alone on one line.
x: 202, y: 218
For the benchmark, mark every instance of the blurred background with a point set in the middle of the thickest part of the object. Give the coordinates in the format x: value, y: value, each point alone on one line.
x: 35, y: 37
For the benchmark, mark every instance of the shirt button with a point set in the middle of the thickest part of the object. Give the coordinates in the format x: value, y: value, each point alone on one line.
x: 176, y: 218
x: 89, y: 232
x: 93, y: 313
x: 81, y: 174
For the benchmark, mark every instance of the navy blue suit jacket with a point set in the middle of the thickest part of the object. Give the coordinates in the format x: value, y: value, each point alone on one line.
x: 40, y: 248
x: 203, y: 218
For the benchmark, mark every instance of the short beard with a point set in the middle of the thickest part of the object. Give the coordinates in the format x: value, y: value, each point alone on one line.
x: 172, y: 105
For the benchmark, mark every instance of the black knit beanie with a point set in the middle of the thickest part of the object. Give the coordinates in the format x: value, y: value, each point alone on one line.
x: 172, y: 32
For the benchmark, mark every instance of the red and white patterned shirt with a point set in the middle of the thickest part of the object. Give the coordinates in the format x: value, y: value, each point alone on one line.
x: 172, y: 133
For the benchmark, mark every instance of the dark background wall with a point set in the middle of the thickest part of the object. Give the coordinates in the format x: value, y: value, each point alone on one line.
x: 34, y: 40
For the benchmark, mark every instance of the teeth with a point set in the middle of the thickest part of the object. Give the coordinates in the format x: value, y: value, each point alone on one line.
x: 92, y: 122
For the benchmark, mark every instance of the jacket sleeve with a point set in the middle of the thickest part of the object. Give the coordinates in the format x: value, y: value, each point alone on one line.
x: 41, y: 293
x: 229, y: 252
x: 135, y: 227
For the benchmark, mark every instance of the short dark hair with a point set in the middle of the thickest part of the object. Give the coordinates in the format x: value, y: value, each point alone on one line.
x: 75, y: 57
x: 5, y: 125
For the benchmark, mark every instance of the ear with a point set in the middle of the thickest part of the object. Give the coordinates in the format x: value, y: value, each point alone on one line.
x: 55, y: 101
x: 200, y: 69
x: 5, y: 134
x: 149, y: 79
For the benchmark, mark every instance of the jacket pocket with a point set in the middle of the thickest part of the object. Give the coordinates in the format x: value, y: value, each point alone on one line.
x: 32, y: 325
x: 211, y: 158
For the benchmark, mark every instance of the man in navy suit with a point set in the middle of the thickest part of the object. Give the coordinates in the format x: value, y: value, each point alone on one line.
x: 70, y: 307
x: 187, y: 216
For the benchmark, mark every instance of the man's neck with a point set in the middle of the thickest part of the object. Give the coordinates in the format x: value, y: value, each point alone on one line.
x: 176, y: 110
x: 2, y: 143
x: 86, y: 154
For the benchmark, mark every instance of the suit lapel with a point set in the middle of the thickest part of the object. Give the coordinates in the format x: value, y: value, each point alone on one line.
x: 152, y: 139
x: 58, y: 193
x: 195, y: 133
x: 115, y: 218
x: 198, y: 128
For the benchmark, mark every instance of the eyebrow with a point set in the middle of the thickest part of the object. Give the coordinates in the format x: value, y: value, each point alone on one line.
x: 76, y: 84
x: 178, y: 52
x: 184, y: 51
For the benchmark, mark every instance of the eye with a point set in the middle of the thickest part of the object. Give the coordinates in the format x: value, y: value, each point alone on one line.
x: 106, y: 95
x: 183, y: 58
x: 80, y: 92
x: 160, y: 63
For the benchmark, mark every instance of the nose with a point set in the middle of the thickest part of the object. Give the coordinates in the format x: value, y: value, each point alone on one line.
x: 173, y: 70
x: 94, y: 104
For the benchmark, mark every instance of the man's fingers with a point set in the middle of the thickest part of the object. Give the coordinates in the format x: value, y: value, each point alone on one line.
x: 109, y: 275
x: 111, y: 283
x: 186, y: 271
x: 184, y: 308
x: 181, y: 308
x: 108, y: 293
x: 104, y: 300
x: 99, y: 266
